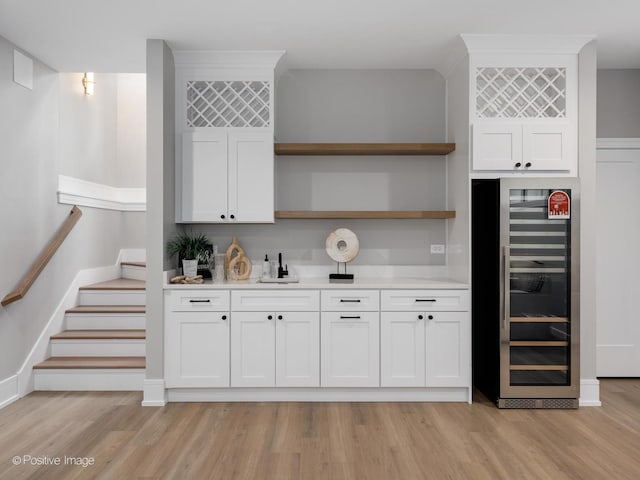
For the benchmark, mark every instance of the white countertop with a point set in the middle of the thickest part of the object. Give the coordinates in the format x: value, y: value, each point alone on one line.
x: 323, y: 283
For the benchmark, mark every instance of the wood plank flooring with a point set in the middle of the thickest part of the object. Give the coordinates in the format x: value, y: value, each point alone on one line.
x: 394, y: 441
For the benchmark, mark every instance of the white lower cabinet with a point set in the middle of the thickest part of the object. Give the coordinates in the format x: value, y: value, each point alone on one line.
x: 350, y: 349
x: 448, y: 347
x: 270, y: 349
x: 402, y: 349
x: 197, y: 340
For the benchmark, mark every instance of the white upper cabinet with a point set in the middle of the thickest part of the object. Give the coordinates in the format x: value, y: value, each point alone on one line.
x: 224, y: 136
x: 523, y: 103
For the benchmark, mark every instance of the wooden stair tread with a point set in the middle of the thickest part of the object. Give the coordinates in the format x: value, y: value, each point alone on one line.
x: 100, y: 335
x: 91, y: 363
x: 117, y: 284
x: 107, y: 309
x: 134, y: 264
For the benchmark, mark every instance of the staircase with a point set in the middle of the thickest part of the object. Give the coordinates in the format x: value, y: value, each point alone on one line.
x: 103, y: 346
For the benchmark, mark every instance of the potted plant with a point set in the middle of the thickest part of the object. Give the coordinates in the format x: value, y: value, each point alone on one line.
x: 191, y: 249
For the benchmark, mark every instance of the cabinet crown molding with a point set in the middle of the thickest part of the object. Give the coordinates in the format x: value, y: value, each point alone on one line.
x: 234, y: 59
x: 521, y: 44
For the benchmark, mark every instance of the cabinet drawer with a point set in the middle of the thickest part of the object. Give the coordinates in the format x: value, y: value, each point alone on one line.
x: 350, y: 300
x: 425, y: 300
x: 201, y: 300
x: 281, y: 301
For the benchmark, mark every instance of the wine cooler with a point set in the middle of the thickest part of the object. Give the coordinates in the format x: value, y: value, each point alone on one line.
x: 525, y: 291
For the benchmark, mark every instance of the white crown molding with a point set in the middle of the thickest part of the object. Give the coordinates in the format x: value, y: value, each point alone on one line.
x: 618, y: 144
x: 267, y: 59
x: 74, y: 191
x: 525, y: 44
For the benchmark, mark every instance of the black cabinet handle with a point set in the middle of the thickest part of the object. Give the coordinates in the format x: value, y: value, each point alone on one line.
x: 430, y: 317
x: 270, y: 317
x: 527, y: 165
x: 425, y: 299
x: 232, y: 216
x: 347, y: 300
x: 346, y: 316
x: 200, y: 301
x: 222, y: 216
x: 420, y: 317
x: 518, y: 165
x: 279, y: 317
x: 224, y: 317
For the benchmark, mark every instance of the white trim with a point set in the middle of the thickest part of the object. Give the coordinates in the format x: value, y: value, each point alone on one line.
x: 590, y: 392
x: 618, y: 144
x: 525, y: 44
x: 155, y: 394
x: 450, y: 394
x: 82, y: 380
x: 267, y: 59
x: 74, y: 191
x: 8, y: 391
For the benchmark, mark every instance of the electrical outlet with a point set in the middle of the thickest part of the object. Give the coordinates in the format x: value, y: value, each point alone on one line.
x: 437, y: 248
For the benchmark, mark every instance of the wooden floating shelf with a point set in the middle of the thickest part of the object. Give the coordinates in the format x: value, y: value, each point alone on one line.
x: 367, y: 214
x: 364, y: 148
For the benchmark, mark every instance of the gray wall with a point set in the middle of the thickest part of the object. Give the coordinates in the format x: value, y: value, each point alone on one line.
x: 160, y: 192
x: 618, y: 104
x: 32, y: 123
x: 588, y: 208
x: 354, y: 106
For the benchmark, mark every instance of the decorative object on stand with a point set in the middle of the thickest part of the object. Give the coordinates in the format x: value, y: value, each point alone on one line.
x: 237, y: 265
x: 342, y: 246
x: 191, y: 250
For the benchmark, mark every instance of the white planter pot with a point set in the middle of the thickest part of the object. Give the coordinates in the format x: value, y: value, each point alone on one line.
x: 190, y: 268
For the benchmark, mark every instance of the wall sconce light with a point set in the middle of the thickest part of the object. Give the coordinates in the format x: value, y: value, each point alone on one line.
x: 88, y: 83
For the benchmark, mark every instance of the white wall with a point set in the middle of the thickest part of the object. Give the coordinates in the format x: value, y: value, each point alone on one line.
x: 354, y: 106
x: 618, y: 104
x: 41, y: 138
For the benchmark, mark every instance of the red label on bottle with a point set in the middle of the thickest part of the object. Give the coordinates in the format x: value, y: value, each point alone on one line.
x: 559, y: 206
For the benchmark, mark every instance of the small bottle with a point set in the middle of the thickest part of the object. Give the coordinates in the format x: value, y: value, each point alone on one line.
x: 266, y: 267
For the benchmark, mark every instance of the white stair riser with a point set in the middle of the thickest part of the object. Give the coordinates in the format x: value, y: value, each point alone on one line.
x: 89, y: 379
x: 105, y: 321
x: 115, y: 297
x: 134, y: 273
x: 98, y: 348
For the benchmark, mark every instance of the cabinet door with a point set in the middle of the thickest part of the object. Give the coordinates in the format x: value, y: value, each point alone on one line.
x: 251, y: 177
x: 350, y: 355
x: 204, y: 176
x: 253, y: 349
x: 297, y: 349
x: 545, y: 146
x: 197, y: 349
x: 497, y: 146
x: 402, y: 349
x: 448, y: 349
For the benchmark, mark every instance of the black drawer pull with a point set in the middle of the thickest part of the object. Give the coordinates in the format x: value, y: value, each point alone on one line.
x: 201, y: 301
x: 347, y: 300
x: 279, y: 317
x: 425, y: 299
x: 347, y: 316
x: 224, y: 317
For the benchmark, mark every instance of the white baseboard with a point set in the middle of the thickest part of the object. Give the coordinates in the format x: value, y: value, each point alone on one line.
x: 590, y: 392
x: 451, y: 394
x: 74, y: 191
x: 154, y: 393
x: 8, y: 390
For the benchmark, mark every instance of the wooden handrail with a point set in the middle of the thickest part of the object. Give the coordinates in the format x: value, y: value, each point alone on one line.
x: 41, y: 262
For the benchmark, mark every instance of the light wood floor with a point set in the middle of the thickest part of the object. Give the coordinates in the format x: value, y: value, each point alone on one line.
x: 322, y: 441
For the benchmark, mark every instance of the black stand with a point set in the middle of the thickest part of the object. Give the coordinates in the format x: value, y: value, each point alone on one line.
x: 341, y: 277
